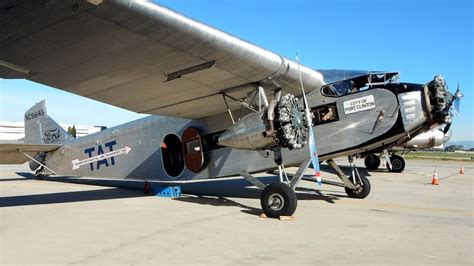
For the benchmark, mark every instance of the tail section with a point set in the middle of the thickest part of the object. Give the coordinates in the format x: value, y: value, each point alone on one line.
x: 42, y: 129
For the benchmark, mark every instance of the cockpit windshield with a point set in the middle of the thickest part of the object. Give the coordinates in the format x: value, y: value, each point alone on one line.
x: 357, y: 84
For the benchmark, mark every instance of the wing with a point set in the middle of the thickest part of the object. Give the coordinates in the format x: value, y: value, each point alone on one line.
x: 14, y: 153
x: 137, y: 55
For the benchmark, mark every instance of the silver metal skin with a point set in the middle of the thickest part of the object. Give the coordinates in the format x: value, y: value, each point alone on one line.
x: 139, y: 56
x: 411, y: 109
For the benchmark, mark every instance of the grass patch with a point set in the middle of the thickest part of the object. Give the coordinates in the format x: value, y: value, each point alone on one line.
x: 445, y: 156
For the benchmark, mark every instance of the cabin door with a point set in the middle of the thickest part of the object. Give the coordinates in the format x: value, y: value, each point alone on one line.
x: 192, y: 149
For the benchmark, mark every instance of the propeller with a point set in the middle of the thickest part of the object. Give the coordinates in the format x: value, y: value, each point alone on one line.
x: 457, y: 101
x: 312, y: 141
x: 446, y: 128
x: 457, y: 105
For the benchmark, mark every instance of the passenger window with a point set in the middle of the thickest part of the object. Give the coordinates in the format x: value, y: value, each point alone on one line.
x: 325, y: 114
x: 193, y: 149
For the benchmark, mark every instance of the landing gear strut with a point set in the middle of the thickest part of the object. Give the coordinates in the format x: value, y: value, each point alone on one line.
x: 356, y: 186
x: 278, y: 199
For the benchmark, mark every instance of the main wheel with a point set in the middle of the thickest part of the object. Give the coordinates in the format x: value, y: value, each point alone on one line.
x: 398, y: 164
x: 372, y: 162
x: 277, y: 200
x: 361, y: 191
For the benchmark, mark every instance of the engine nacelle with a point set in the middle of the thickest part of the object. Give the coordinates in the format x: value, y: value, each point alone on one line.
x: 281, y: 124
x: 429, y: 139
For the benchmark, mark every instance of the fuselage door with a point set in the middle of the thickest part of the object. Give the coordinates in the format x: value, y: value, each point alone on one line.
x: 192, y: 149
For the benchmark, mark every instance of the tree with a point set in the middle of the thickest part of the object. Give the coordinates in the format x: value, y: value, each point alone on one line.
x: 72, y: 131
x: 454, y: 148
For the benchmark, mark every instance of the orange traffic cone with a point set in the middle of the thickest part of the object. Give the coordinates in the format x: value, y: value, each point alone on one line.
x: 461, y: 172
x: 435, y: 180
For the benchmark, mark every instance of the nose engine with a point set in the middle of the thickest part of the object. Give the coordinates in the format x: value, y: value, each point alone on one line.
x: 440, y: 100
x: 426, y: 107
x: 281, y: 124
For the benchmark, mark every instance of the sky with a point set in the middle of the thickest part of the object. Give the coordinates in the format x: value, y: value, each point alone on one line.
x: 420, y: 39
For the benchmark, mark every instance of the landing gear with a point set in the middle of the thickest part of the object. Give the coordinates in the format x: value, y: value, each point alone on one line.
x: 361, y: 184
x: 362, y: 188
x: 372, y: 162
x: 278, y: 199
x: 356, y: 186
x: 398, y: 164
x: 40, y: 173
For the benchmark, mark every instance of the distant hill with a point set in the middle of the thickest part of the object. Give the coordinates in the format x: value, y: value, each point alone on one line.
x: 467, y: 144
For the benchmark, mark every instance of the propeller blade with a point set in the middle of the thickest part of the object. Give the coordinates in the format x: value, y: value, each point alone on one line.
x: 314, y: 155
x: 457, y: 106
x: 312, y: 141
x: 446, y: 128
x: 457, y: 101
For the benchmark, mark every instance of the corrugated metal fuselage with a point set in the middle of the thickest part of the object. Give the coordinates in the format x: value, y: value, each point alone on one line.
x: 135, y: 149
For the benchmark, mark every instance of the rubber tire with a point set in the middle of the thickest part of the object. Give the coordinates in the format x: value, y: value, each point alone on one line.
x: 372, y: 162
x: 363, y: 193
x: 398, y: 164
x: 287, y: 194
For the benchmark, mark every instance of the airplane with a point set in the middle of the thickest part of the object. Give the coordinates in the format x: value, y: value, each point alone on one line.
x: 433, y: 138
x: 219, y: 106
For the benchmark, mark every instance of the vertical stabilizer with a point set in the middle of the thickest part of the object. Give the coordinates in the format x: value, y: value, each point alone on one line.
x: 40, y: 128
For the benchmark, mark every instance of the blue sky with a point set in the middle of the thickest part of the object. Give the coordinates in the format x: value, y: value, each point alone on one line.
x: 418, y: 38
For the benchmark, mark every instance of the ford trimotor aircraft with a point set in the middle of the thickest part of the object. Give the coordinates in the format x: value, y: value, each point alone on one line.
x: 219, y: 106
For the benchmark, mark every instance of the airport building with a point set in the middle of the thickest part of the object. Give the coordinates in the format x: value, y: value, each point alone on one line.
x: 15, y: 131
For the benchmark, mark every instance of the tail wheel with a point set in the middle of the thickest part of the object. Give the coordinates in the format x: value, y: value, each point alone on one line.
x: 398, y: 164
x: 362, y: 189
x: 278, y: 199
x: 372, y: 162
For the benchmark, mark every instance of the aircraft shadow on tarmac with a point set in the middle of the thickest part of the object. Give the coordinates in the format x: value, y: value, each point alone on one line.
x: 67, y: 197
x: 216, y: 192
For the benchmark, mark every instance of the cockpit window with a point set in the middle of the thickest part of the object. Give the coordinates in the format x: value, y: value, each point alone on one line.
x: 329, y: 90
x: 357, y: 84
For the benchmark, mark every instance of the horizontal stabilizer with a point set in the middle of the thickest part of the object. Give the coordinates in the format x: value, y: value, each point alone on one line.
x: 14, y: 152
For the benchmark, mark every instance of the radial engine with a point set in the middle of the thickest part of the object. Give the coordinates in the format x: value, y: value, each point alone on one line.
x: 281, y: 124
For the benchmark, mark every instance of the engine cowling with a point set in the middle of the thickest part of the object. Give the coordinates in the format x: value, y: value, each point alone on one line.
x: 281, y: 124
x: 429, y: 139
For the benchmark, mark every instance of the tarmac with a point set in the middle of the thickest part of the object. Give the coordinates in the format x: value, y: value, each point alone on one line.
x: 405, y: 220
